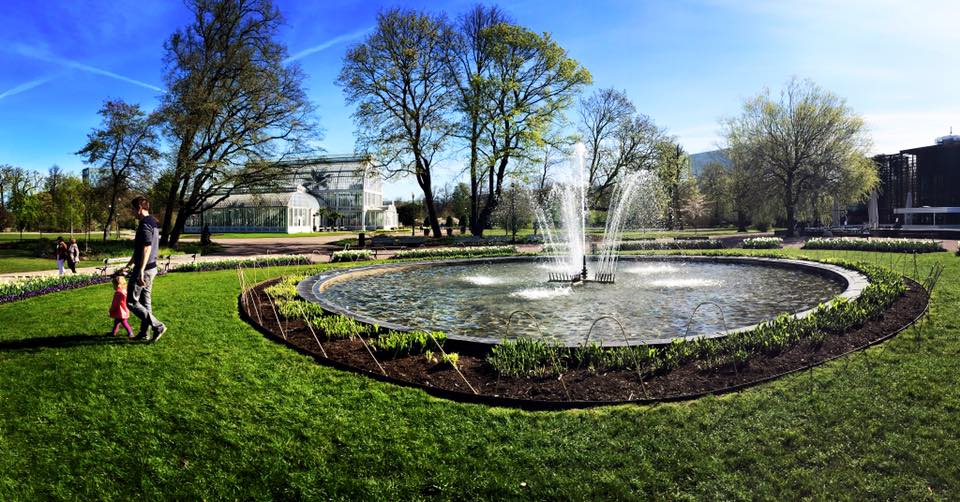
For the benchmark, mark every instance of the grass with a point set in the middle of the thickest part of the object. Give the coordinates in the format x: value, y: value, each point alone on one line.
x: 16, y: 260
x: 216, y: 411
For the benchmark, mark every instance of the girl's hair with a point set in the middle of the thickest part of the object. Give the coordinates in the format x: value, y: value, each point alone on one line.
x: 118, y: 280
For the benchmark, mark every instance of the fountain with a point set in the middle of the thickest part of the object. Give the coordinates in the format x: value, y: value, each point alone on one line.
x: 568, y: 240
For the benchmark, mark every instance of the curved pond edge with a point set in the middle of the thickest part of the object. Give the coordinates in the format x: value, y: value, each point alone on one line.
x: 311, y: 289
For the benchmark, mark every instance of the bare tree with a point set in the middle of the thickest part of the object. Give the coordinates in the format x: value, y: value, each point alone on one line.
x: 124, y: 149
x: 804, y: 145
x: 618, y: 140
x: 400, y: 80
x: 234, y: 106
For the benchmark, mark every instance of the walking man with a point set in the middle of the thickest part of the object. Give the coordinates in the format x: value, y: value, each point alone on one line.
x: 143, y: 269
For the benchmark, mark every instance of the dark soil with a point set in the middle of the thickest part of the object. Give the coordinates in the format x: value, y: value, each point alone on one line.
x: 575, y: 387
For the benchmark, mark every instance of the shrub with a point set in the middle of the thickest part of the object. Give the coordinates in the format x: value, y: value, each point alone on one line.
x: 351, y: 255
x: 457, y: 252
x: 874, y: 244
x: 665, y: 246
x: 762, y: 243
x: 267, y: 261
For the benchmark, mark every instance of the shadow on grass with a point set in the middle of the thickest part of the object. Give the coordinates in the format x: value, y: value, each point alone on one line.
x: 63, y: 341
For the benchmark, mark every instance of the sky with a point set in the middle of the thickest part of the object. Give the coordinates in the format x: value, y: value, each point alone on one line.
x: 686, y: 63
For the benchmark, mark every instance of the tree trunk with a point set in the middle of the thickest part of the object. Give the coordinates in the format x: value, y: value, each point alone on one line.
x: 790, y: 204
x: 475, y: 228
x: 431, y: 212
x: 741, y: 221
x: 110, y: 215
x: 177, y: 228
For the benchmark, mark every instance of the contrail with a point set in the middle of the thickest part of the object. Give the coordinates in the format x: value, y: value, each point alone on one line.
x: 26, y: 86
x: 43, y: 56
x: 329, y: 43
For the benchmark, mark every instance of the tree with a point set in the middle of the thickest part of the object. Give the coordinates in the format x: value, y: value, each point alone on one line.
x: 807, y: 145
x: 27, y: 209
x: 123, y: 150
x: 233, y: 107
x: 408, y: 213
x: 532, y: 81
x: 399, y: 79
x: 673, y: 170
x: 516, y: 210
x: 460, y: 203
x: 618, y: 140
x: 716, y: 184
x: 470, y: 64
x: 50, y: 216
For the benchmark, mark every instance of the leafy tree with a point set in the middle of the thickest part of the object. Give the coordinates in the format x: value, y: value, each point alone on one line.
x: 716, y: 184
x: 408, y: 213
x: 399, y: 79
x: 532, y: 81
x: 460, y: 202
x: 804, y: 147
x: 27, y: 208
x: 673, y: 169
x: 471, y: 61
x: 123, y: 150
x: 233, y: 107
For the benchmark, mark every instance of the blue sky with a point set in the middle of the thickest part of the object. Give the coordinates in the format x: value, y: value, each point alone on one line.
x: 686, y: 63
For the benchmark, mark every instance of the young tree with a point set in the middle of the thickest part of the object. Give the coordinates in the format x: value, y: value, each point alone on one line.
x: 515, y: 211
x: 123, y: 149
x: 399, y: 79
x: 715, y: 183
x: 807, y: 143
x: 532, y: 81
x: 460, y: 203
x: 233, y: 107
x: 673, y: 169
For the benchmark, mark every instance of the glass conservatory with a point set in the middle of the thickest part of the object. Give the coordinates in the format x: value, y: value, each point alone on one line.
x: 318, y: 193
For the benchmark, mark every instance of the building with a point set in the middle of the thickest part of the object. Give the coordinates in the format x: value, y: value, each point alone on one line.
x: 334, y: 191
x: 920, y: 187
x: 699, y: 161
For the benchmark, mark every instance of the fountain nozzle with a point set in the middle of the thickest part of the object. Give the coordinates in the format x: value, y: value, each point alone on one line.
x: 583, y: 273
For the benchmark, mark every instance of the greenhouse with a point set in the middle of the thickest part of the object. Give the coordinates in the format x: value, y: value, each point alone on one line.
x: 337, y: 191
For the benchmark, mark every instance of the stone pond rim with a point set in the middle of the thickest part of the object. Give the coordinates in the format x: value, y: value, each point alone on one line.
x: 311, y: 289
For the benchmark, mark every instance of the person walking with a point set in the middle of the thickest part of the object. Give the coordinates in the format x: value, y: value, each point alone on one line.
x: 73, y: 255
x: 143, y: 270
x: 60, y: 253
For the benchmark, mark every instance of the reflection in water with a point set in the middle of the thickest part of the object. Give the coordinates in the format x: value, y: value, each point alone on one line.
x: 653, y: 299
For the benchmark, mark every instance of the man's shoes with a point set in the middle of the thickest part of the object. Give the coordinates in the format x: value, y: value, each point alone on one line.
x: 159, y: 332
x: 139, y: 337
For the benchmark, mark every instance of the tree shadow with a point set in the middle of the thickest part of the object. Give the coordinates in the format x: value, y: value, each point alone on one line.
x: 63, y: 341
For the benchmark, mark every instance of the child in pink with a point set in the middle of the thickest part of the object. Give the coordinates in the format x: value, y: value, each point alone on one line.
x: 118, y: 309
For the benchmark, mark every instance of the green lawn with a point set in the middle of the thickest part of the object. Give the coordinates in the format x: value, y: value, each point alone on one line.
x: 215, y: 411
x: 15, y: 260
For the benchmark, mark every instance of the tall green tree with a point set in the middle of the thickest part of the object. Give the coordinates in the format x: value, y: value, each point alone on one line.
x: 531, y: 81
x: 673, y: 170
x: 399, y: 79
x: 460, y: 202
x: 804, y: 146
x: 471, y: 61
x: 122, y: 150
x: 234, y: 106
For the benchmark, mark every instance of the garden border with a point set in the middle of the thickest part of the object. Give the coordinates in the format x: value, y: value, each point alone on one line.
x: 553, y: 405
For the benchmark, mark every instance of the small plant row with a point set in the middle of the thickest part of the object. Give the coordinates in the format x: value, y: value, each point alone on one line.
x: 351, y: 255
x: 872, y: 244
x: 457, y: 252
x: 664, y: 246
x: 525, y: 357
x: 265, y: 261
x: 37, y: 286
x: 762, y: 243
x: 393, y: 343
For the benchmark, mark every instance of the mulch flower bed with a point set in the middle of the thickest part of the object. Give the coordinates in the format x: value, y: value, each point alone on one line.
x: 576, y: 388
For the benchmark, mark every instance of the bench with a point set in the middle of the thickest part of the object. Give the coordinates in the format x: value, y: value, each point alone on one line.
x: 167, y: 261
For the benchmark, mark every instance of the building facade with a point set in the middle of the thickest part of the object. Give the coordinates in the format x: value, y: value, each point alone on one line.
x: 335, y: 191
x: 920, y: 187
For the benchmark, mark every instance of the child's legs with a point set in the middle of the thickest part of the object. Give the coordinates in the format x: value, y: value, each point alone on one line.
x: 116, y: 325
x: 126, y: 326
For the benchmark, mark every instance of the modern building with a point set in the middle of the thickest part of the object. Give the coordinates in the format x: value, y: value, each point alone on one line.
x: 920, y: 187
x: 334, y: 191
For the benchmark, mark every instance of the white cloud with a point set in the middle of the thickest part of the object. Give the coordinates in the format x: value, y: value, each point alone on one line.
x: 26, y: 86
x: 42, y: 55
